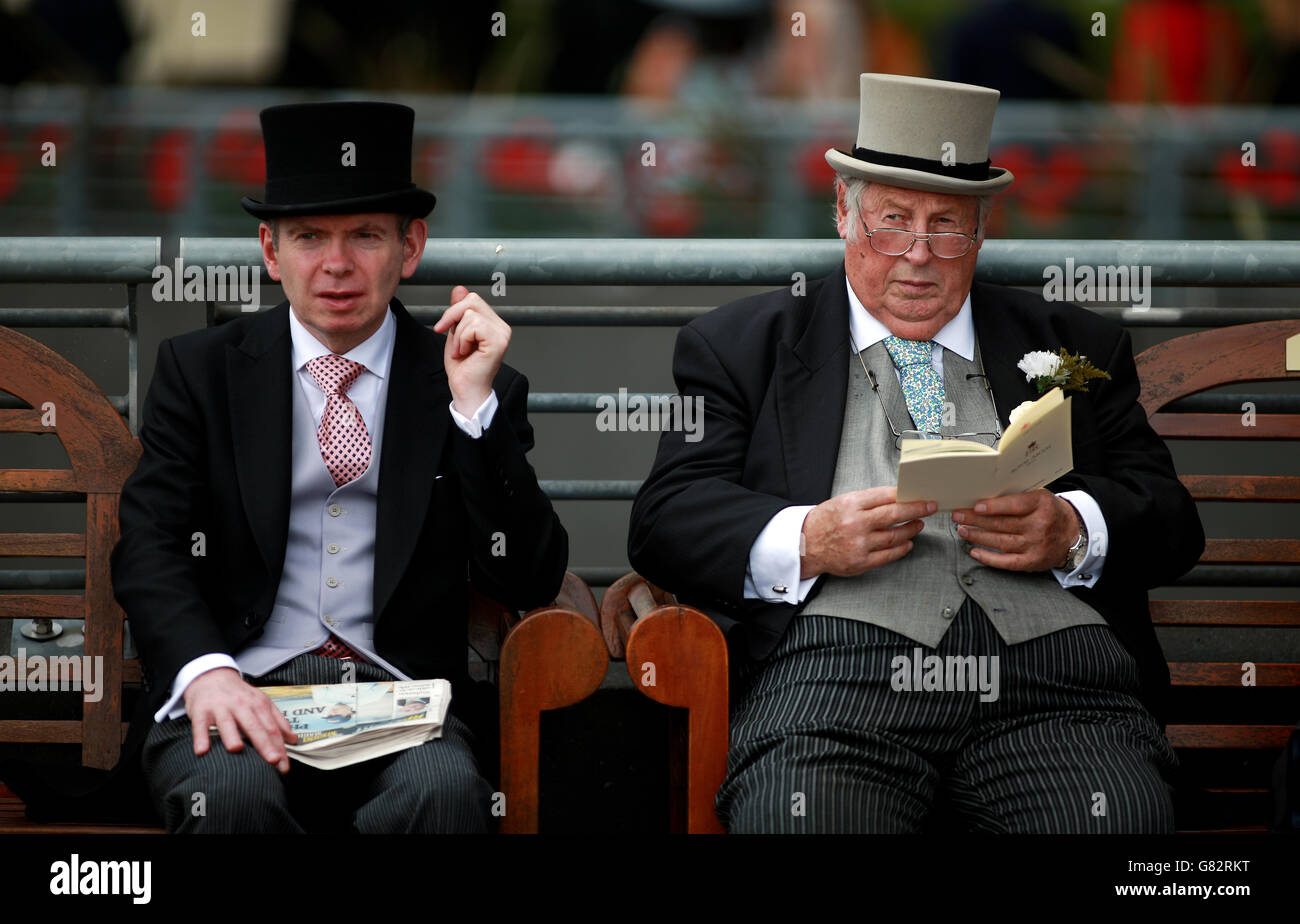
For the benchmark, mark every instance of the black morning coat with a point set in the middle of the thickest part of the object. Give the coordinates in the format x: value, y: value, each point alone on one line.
x: 773, y: 372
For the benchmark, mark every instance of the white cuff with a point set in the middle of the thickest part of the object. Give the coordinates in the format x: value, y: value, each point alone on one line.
x: 482, y: 419
x: 174, y: 708
x: 773, y: 572
x: 1089, y: 570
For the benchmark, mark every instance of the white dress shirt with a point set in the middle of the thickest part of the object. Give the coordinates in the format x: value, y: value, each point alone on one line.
x: 369, y: 393
x: 774, y: 560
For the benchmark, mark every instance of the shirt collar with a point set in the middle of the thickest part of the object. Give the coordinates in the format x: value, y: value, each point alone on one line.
x: 375, y: 352
x: 958, y: 335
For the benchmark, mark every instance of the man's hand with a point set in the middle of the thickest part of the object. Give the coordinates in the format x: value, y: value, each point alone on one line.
x: 855, y: 532
x: 1031, y: 531
x: 476, y: 345
x: 220, y: 697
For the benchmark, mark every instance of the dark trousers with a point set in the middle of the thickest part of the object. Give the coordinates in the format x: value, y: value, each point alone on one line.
x: 822, y: 741
x: 435, y: 787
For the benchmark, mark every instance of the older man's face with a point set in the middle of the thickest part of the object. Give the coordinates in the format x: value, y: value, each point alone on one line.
x: 340, y: 271
x: 917, y: 293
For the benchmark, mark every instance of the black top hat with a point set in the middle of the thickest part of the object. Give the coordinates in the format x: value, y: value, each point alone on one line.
x: 310, y: 170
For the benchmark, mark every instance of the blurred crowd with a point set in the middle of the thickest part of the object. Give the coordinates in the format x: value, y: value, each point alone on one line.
x: 1167, y: 51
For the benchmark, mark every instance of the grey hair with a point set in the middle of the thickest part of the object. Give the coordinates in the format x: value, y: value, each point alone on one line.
x: 855, y: 187
x: 274, y: 224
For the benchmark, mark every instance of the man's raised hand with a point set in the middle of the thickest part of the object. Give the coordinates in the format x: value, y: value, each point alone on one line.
x: 476, y: 346
x: 222, y: 698
x: 860, y: 530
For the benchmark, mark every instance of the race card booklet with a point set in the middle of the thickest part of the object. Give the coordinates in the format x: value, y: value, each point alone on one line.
x: 1034, y: 451
x: 339, y: 724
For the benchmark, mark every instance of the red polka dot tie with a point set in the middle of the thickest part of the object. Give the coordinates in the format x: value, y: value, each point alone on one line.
x: 344, y: 440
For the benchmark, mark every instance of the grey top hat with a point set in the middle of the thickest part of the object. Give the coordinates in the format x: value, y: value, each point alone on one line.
x: 931, y: 135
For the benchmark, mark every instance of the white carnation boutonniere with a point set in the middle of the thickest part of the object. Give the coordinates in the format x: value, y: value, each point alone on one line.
x: 1062, y: 369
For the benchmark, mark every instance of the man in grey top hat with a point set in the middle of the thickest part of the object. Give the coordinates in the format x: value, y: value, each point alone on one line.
x: 889, y: 656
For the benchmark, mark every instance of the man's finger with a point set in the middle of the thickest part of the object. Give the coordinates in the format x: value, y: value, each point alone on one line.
x: 891, y: 514
x: 1003, y: 542
x: 458, y: 293
x: 1009, y: 504
x: 451, y: 316
x: 867, y: 498
x: 227, y: 727
x: 201, y: 740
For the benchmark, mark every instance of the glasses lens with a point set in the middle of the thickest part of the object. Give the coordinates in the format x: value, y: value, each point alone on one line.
x: 891, y: 242
x: 949, y: 244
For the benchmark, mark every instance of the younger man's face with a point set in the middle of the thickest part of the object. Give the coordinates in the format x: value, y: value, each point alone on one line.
x: 340, y: 271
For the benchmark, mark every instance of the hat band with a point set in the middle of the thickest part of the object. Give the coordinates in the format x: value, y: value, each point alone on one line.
x: 337, y: 185
x: 958, y: 171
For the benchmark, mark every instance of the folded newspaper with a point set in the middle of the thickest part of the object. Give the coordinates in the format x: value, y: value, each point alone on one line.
x: 338, y: 724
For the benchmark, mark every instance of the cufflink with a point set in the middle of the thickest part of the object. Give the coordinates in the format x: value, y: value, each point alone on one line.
x: 778, y: 588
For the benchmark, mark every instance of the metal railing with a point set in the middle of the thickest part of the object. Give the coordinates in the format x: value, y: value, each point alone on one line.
x: 127, y: 260
x: 634, y: 262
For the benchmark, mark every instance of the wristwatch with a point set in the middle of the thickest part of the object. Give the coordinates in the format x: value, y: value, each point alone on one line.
x: 1079, y: 551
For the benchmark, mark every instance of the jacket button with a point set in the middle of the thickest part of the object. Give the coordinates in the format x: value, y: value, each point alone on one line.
x: 249, y: 619
x: 967, y: 579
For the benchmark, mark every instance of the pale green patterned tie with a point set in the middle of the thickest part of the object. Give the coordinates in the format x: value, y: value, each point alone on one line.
x: 922, y: 386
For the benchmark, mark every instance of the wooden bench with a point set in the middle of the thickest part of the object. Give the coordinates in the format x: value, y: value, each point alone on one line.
x: 1225, y: 733
x: 102, y: 453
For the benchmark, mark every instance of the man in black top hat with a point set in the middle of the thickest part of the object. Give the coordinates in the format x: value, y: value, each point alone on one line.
x: 345, y: 470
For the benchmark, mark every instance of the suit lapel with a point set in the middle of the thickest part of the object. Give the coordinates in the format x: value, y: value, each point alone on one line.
x: 1002, y: 344
x: 259, y: 379
x: 811, y: 379
x: 416, y: 422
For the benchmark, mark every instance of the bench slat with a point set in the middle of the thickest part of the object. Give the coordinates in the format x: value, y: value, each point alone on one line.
x: 1242, y: 487
x: 1225, y: 427
x: 1228, y: 674
x: 1251, y: 551
x: 1225, y: 612
x: 38, y: 479
x: 23, y: 420
x: 63, y: 545
x: 50, y: 606
x: 1255, y: 737
x: 44, y: 731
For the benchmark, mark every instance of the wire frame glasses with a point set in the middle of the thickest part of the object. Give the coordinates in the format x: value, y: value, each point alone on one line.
x: 894, y: 242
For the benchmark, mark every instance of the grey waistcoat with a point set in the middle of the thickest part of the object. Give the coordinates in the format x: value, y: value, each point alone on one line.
x: 327, y: 584
x: 918, y: 595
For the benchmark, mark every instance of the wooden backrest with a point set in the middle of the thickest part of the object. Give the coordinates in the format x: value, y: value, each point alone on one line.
x: 677, y: 656
x: 1185, y: 366
x: 102, y: 454
x: 551, y: 658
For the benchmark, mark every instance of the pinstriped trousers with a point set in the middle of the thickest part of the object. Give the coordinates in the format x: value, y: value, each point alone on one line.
x: 435, y: 787
x: 821, y: 741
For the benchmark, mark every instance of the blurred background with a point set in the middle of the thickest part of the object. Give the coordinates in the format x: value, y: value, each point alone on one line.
x: 539, y: 131
x: 1119, y: 120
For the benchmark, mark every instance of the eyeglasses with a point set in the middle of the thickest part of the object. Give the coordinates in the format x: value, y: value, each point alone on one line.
x: 930, y: 434
x: 894, y: 242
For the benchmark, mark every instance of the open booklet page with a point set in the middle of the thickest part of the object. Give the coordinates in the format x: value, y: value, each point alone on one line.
x: 1034, y: 451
